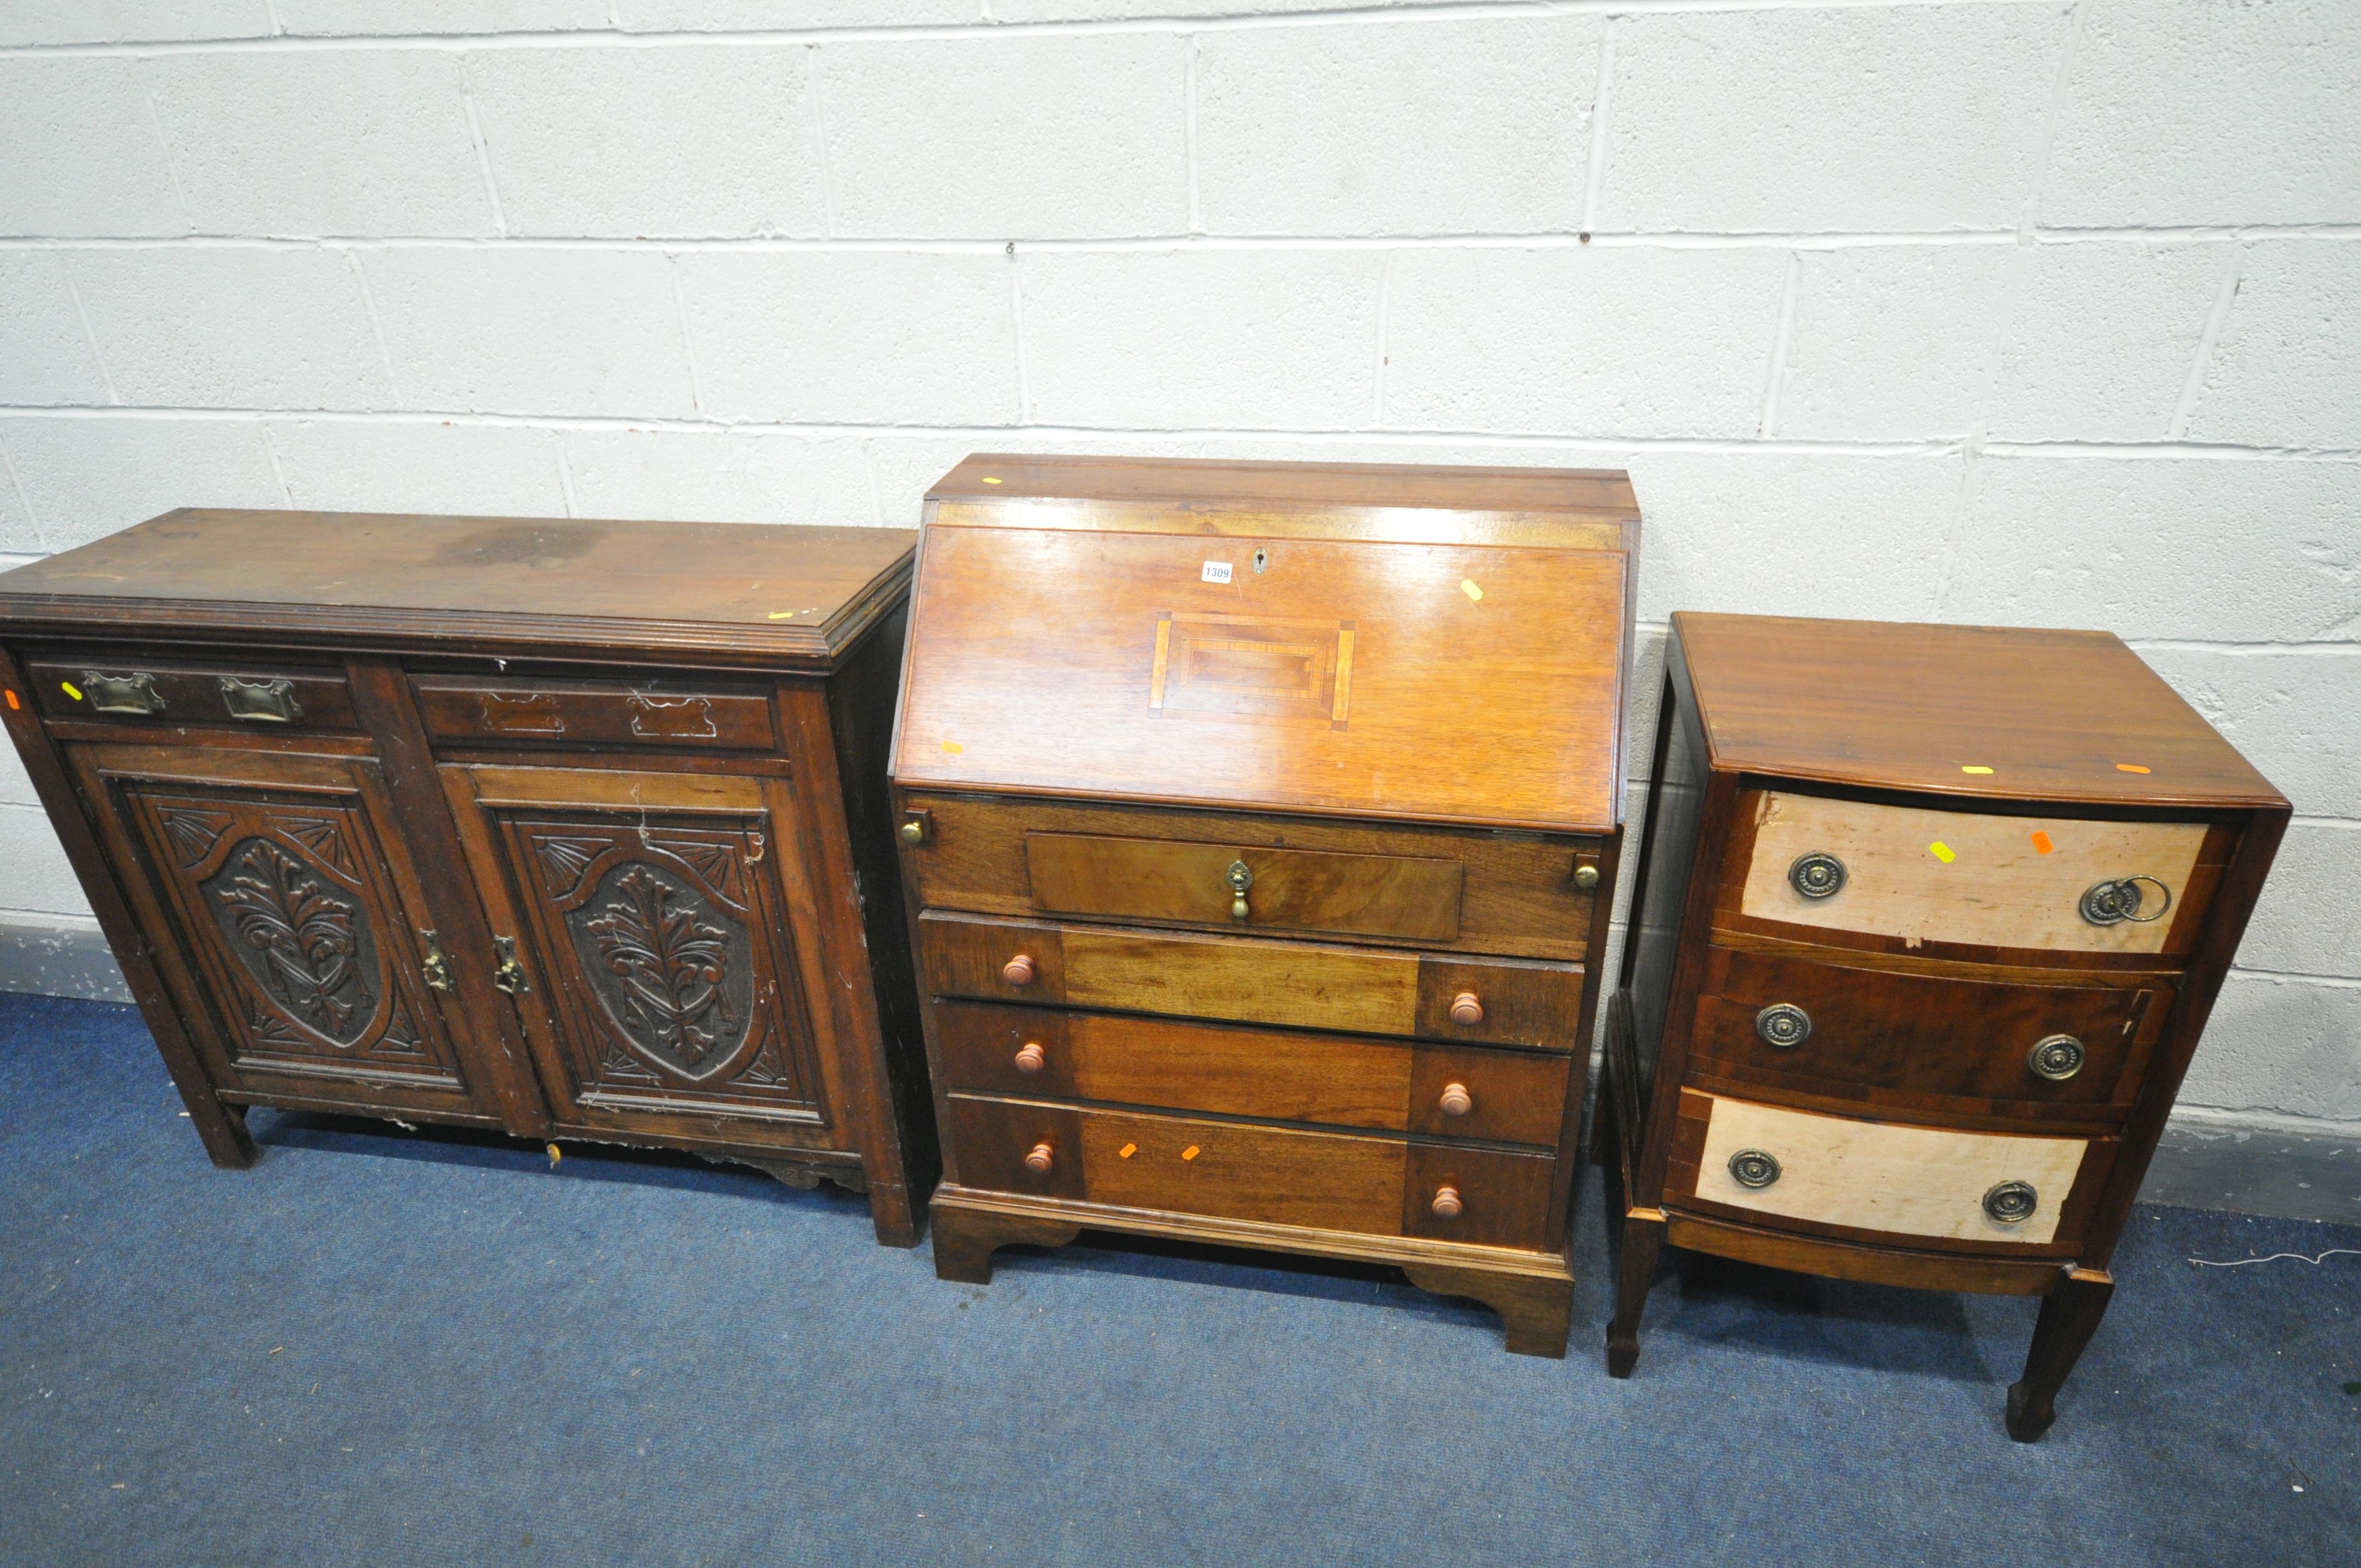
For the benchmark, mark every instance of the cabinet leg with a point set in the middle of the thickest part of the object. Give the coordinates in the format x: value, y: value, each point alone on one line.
x: 2070, y: 1316
x: 221, y: 1127
x: 1536, y: 1309
x: 889, y: 1211
x: 1635, y: 1270
x: 966, y: 1238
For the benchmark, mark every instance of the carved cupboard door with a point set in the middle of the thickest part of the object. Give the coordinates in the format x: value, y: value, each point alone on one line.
x: 656, y: 967
x: 279, y: 897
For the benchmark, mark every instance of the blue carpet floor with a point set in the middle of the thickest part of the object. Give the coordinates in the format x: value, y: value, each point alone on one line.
x: 382, y: 1349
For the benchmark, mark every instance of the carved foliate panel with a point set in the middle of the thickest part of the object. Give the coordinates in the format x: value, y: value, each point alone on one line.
x: 668, y: 951
x: 286, y: 912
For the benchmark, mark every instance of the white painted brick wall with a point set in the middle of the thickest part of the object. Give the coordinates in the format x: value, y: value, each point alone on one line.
x: 2024, y: 312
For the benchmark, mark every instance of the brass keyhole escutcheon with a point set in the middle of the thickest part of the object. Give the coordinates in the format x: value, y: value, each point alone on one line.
x: 1239, y: 878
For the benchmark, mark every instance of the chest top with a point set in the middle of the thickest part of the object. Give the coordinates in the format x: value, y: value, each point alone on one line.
x: 1997, y: 712
x: 782, y: 597
x: 1445, y: 645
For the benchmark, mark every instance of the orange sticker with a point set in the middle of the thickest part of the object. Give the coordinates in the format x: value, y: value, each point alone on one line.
x: 2041, y: 844
x: 1126, y: 1151
x: 1189, y: 1153
x: 12, y: 702
x: 2129, y: 768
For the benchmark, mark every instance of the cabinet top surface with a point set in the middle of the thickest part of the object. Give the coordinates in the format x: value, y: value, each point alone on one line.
x: 1998, y: 712
x: 1312, y: 665
x: 791, y: 594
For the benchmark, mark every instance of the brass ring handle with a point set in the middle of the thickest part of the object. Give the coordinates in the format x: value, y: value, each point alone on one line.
x: 1447, y: 1204
x: 1783, y: 1025
x: 1585, y: 877
x: 1466, y: 1010
x: 1457, y: 1101
x: 1018, y: 970
x: 1238, y: 878
x: 2057, y: 1058
x: 1817, y: 875
x: 1040, y: 1158
x: 2012, y: 1203
x: 2118, y: 899
x: 1030, y: 1057
x: 1754, y: 1168
x: 912, y: 831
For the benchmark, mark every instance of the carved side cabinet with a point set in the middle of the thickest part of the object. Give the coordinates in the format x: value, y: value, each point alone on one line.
x: 570, y: 830
x: 1255, y: 817
x: 1928, y: 921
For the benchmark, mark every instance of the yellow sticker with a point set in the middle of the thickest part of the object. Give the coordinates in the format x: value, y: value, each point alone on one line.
x: 1468, y: 585
x: 1189, y: 1153
x: 990, y: 480
x: 954, y: 747
x: 1943, y: 851
x: 70, y: 690
x: 555, y: 1156
x: 785, y: 614
x: 1126, y: 1151
x: 1966, y: 769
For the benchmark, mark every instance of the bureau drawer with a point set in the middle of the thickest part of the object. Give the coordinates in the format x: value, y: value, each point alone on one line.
x: 1520, y: 895
x: 1281, y: 1075
x: 1884, y: 1180
x: 654, y: 713
x: 1326, y: 1182
x: 1808, y: 1023
x: 1304, y: 985
x: 265, y: 696
x: 1962, y: 877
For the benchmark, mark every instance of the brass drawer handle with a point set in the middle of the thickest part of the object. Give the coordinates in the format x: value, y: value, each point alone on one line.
x: 1040, y: 1158
x: 133, y: 692
x: 2114, y: 902
x: 1031, y: 1057
x: 1466, y: 1010
x: 1783, y: 1025
x: 1457, y: 1101
x: 510, y: 976
x: 912, y: 831
x: 2057, y: 1058
x: 1817, y: 875
x: 1238, y: 878
x: 2012, y: 1203
x: 1447, y: 1204
x: 435, y: 966
x: 261, y: 702
x: 1018, y: 970
x: 1754, y: 1168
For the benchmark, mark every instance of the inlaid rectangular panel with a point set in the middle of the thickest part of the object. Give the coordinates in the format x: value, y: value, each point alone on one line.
x: 1958, y: 876
x: 1160, y: 879
x: 1881, y: 1176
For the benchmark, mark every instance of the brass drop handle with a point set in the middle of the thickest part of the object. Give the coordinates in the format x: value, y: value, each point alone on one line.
x: 435, y: 966
x: 1018, y: 970
x: 1585, y: 877
x: 913, y: 831
x: 1041, y: 1157
x: 133, y: 692
x: 261, y: 702
x: 1447, y: 1204
x: 2012, y: 1203
x: 1238, y: 878
x: 1030, y: 1057
x: 510, y: 976
x: 1466, y: 1010
x: 1457, y: 1101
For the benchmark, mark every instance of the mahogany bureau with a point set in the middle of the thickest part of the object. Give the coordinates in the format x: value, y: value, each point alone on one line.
x: 1255, y: 817
x: 1928, y: 919
x: 569, y: 829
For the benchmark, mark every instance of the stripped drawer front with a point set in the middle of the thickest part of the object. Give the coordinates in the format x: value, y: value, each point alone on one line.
x: 1403, y: 896
x: 1964, y: 877
x: 1928, y: 1183
x: 1364, y: 991
x: 1183, y: 1164
x: 1272, y: 1075
x: 661, y: 714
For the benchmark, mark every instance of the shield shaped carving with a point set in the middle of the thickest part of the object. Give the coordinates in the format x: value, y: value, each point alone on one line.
x: 673, y: 974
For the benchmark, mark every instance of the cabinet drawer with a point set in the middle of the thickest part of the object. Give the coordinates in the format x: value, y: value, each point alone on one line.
x: 1366, y: 991
x: 1281, y: 1075
x: 1809, y: 1023
x: 1520, y: 895
x: 654, y: 713
x: 1960, y: 877
x: 1883, y: 1179
x: 127, y: 686
x: 1327, y: 1181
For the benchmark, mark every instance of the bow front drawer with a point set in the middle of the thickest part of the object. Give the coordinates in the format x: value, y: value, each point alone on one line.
x: 2056, y: 883
x: 660, y: 713
x: 124, y: 686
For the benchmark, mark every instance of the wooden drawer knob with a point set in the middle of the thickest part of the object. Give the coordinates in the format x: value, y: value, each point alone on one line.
x: 1447, y: 1204
x: 1018, y: 970
x: 1040, y: 1159
x: 1465, y: 1009
x: 1030, y: 1057
x: 1457, y: 1101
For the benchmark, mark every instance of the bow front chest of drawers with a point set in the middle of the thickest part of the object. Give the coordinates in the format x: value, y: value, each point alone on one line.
x: 561, y: 829
x: 1255, y: 817
x: 1928, y: 919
